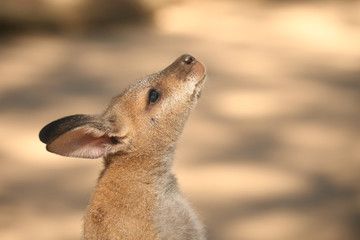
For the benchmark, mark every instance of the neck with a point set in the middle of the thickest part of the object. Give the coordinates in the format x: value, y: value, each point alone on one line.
x: 126, y: 188
x: 138, y: 165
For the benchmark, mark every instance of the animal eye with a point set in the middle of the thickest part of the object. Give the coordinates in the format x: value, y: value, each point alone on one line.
x: 153, y: 96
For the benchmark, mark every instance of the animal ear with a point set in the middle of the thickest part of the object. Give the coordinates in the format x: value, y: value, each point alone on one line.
x: 81, y: 136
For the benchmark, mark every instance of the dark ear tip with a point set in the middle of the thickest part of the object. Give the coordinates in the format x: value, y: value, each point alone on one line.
x: 43, y: 135
x: 60, y: 126
x: 47, y: 133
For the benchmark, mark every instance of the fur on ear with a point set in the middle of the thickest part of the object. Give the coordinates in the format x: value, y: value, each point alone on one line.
x: 81, y: 136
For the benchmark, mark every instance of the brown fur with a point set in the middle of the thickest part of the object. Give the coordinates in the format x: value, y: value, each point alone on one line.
x: 137, y: 195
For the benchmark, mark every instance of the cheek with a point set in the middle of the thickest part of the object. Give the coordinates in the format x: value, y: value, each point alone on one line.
x: 178, y: 98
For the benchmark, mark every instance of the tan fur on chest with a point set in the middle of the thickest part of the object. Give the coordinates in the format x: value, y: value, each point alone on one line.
x: 125, y: 192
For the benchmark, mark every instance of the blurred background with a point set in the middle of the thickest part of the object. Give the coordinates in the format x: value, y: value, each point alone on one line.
x: 272, y: 150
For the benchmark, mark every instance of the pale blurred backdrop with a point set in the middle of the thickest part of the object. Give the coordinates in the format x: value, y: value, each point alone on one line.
x: 272, y: 150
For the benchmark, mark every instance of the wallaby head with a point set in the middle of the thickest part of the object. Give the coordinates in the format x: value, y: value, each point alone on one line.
x: 147, y: 118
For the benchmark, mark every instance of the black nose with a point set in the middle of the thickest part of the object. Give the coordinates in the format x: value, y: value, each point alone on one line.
x: 188, y: 59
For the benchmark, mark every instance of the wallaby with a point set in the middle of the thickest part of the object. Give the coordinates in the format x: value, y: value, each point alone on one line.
x: 136, y: 196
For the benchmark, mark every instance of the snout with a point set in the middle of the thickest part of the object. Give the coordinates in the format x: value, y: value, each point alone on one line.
x: 193, y: 69
x: 186, y: 68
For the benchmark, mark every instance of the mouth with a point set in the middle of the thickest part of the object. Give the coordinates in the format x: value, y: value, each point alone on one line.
x: 198, y: 87
x: 200, y: 84
x: 202, y: 80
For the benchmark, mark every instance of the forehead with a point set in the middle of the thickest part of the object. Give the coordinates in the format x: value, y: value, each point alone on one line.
x: 134, y: 91
x: 166, y: 81
x: 158, y: 81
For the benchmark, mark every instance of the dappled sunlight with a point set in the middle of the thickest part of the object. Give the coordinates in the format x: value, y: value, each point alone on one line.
x: 250, y: 104
x: 245, y: 182
x: 271, y: 151
x: 17, y: 63
x: 283, y: 225
x: 27, y: 228
x: 315, y: 136
x: 315, y: 26
x: 309, y: 28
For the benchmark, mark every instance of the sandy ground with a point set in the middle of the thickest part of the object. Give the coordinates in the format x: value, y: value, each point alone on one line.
x: 272, y: 151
